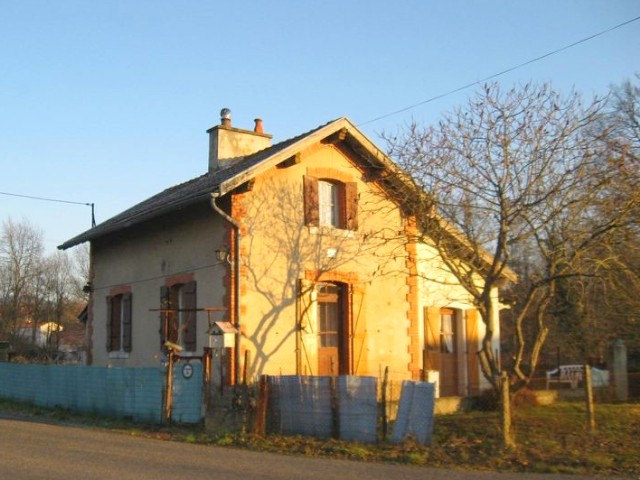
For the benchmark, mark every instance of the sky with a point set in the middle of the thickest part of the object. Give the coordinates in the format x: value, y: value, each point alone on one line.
x: 108, y: 102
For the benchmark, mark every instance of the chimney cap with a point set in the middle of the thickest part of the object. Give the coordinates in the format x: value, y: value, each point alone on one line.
x: 225, y: 117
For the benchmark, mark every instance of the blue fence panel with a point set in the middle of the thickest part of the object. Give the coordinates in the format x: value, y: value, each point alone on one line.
x: 415, y: 413
x: 187, y: 406
x: 358, y: 408
x: 135, y: 393
x: 302, y: 405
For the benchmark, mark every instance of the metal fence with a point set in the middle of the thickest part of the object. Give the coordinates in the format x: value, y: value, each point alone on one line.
x: 125, y: 392
x: 345, y: 407
x: 342, y: 407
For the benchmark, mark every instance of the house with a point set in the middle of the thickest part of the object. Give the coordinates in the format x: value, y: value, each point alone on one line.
x: 302, y: 248
x: 42, y: 334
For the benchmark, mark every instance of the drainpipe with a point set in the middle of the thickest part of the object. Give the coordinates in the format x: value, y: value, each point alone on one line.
x: 236, y: 286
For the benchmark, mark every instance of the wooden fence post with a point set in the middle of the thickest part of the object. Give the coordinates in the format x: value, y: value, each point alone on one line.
x: 335, y: 414
x: 385, y: 382
x: 588, y: 390
x: 169, y: 390
x: 260, y: 426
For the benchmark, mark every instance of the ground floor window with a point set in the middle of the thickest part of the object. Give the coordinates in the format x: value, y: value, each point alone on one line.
x: 179, y: 308
x: 447, y: 330
x: 119, y: 322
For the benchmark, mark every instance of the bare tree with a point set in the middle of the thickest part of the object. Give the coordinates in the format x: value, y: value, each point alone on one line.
x: 81, y: 274
x: 20, y: 256
x: 512, y: 172
x: 34, y: 288
x: 60, y: 283
x: 598, y: 308
x: 625, y: 116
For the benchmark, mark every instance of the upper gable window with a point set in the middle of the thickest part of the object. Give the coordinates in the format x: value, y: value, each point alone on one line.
x: 330, y: 203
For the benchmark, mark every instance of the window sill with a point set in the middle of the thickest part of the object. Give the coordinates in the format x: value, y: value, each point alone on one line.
x: 332, y: 231
x: 118, y: 355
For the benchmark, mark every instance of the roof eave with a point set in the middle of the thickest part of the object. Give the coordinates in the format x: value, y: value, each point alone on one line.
x: 98, y: 232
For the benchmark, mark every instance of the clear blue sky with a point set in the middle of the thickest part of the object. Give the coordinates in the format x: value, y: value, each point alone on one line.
x: 108, y: 101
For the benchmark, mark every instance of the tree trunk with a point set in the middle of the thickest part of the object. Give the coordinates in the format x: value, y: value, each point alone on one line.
x: 507, y: 436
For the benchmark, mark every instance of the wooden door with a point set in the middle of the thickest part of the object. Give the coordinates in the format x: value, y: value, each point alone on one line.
x: 330, y: 325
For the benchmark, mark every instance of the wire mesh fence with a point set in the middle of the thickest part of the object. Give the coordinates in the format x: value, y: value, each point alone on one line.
x: 529, y: 403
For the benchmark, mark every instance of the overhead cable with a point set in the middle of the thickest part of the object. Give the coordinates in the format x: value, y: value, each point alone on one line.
x: 490, y: 77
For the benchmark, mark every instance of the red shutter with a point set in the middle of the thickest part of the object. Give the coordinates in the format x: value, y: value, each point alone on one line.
x: 345, y: 335
x: 432, y: 338
x: 126, y: 322
x: 311, y: 202
x: 189, y: 316
x: 109, y: 319
x: 473, y: 366
x: 351, y: 205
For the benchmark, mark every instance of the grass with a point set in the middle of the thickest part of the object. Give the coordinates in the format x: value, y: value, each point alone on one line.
x: 550, y: 439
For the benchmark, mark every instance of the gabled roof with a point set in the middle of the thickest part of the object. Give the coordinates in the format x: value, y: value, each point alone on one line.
x: 243, y: 169
x: 226, y: 179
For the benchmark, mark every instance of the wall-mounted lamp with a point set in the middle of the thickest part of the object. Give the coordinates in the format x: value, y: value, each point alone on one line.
x: 223, y: 255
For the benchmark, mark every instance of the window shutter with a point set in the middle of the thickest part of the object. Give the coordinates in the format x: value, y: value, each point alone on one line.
x: 307, y: 328
x: 165, y: 318
x: 351, y: 205
x: 109, y: 320
x: 359, y: 330
x: 432, y: 338
x: 345, y: 337
x: 473, y: 366
x: 126, y: 322
x: 311, y: 203
x: 190, y: 305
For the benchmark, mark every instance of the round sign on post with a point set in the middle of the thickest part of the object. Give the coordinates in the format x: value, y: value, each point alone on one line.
x: 187, y: 371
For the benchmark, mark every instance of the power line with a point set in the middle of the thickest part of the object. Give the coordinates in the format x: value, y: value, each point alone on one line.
x: 44, y: 199
x: 31, y: 197
x: 511, y: 69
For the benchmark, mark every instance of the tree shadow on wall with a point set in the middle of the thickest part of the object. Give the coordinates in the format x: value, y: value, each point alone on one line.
x: 285, y: 260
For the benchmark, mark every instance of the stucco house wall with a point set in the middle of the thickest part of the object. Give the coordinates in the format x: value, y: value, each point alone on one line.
x: 281, y: 251
x: 296, y: 274
x: 142, y: 260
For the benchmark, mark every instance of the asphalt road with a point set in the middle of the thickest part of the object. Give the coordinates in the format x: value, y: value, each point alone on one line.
x: 36, y: 451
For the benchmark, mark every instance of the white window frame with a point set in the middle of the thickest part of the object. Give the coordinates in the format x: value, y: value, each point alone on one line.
x: 328, y: 204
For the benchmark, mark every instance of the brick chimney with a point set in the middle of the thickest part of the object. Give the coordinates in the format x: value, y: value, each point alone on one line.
x: 228, y: 144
